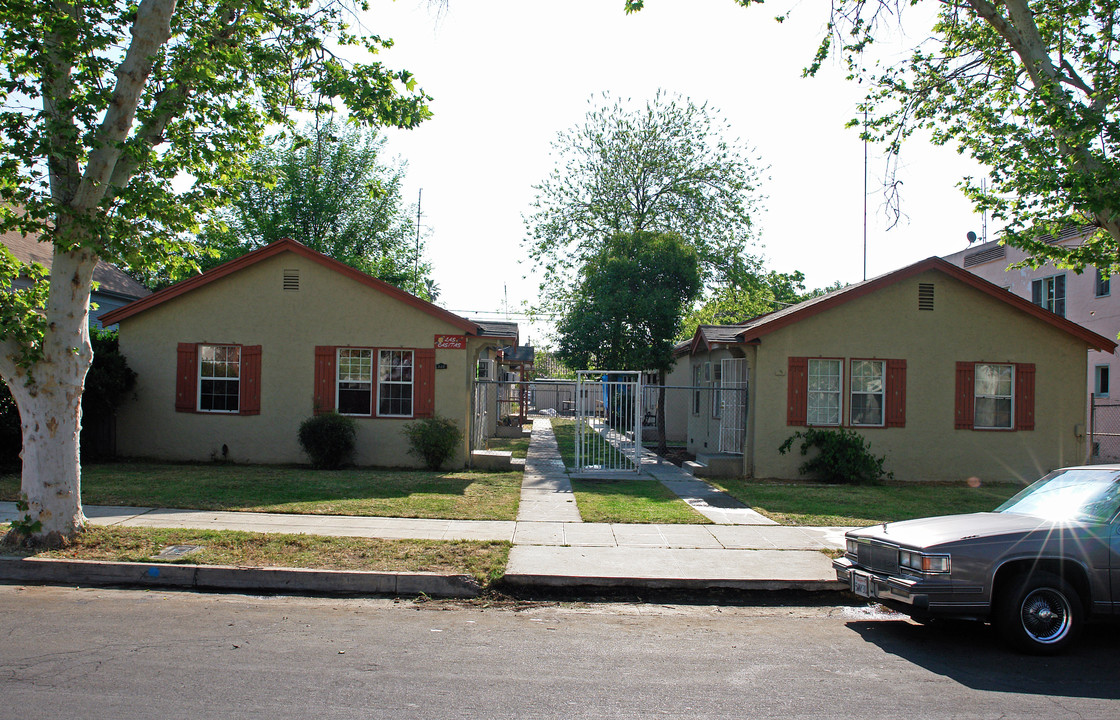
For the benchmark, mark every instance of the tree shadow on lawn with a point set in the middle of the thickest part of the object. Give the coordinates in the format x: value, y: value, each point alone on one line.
x: 274, y: 488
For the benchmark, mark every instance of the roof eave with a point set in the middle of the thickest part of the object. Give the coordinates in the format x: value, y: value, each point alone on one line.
x: 270, y: 250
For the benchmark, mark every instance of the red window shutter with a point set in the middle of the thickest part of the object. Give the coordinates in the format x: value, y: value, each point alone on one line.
x: 250, y: 379
x: 324, y: 379
x: 896, y: 393
x: 186, y: 378
x: 424, y: 380
x: 966, y: 397
x: 798, y: 389
x: 1024, y: 396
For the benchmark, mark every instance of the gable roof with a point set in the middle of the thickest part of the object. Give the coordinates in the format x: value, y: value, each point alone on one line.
x: 753, y: 330
x: 498, y: 329
x: 271, y: 250
x: 110, y: 279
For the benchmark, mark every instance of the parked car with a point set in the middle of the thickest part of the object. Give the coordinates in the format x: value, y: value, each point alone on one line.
x: 1038, y: 567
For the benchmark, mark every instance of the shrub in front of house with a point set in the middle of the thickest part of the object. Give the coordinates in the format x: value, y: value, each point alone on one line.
x: 433, y: 440
x: 843, y: 456
x: 328, y: 439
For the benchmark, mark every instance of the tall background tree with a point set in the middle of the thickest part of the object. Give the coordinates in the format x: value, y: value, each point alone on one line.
x: 1029, y: 88
x: 665, y: 166
x: 105, y: 105
x: 330, y: 189
x: 628, y: 308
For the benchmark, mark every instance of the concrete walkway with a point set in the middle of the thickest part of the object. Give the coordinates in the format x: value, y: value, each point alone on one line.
x: 553, y: 547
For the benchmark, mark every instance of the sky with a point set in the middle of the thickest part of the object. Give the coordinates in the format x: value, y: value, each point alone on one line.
x: 506, y: 76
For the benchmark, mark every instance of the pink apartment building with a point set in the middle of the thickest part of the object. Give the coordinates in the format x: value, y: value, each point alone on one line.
x: 1086, y: 298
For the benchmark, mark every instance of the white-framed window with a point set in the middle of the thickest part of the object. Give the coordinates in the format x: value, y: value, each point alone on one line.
x: 355, y: 381
x: 394, y: 383
x: 826, y: 386
x: 868, y: 391
x: 485, y: 369
x: 1103, y: 285
x: 994, y: 396
x: 219, y: 378
x: 1100, y: 381
x: 1050, y: 293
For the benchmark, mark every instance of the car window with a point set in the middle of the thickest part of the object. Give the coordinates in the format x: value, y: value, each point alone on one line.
x: 1082, y: 495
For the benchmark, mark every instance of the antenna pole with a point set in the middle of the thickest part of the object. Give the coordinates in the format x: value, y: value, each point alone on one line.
x: 416, y: 258
x: 864, y: 194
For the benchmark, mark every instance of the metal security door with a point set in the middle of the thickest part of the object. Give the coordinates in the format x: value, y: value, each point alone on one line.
x: 608, y: 422
x: 733, y: 405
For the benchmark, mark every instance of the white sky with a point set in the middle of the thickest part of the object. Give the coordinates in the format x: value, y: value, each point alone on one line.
x: 508, y: 75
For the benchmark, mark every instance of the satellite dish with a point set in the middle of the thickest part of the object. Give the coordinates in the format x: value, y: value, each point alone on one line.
x: 971, y: 237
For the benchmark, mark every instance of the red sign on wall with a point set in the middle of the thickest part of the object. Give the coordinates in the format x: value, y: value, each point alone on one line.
x: 451, y: 342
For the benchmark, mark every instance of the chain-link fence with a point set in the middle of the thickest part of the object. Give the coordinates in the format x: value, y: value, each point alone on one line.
x: 1104, y: 432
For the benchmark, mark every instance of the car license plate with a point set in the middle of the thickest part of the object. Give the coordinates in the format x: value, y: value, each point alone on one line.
x: 861, y: 584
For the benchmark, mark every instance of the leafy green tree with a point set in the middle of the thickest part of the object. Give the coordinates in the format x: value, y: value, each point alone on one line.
x: 1029, y: 88
x: 664, y: 167
x: 629, y: 306
x: 329, y: 189
x: 754, y: 293
x: 107, y: 106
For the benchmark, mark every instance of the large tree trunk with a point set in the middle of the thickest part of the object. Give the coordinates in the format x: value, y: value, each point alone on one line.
x: 50, y: 402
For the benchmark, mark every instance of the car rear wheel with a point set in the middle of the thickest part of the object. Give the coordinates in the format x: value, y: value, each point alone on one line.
x: 1040, y: 613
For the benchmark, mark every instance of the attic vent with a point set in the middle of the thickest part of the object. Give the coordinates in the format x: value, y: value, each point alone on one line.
x: 925, y: 296
x: 291, y: 280
x: 979, y: 258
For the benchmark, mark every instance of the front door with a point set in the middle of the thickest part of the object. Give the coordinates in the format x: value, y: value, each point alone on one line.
x: 731, y: 397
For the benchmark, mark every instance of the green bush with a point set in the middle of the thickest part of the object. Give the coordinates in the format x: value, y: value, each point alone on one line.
x: 843, y: 456
x: 328, y: 439
x: 433, y: 440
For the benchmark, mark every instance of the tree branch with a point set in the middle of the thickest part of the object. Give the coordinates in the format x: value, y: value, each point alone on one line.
x: 150, y: 32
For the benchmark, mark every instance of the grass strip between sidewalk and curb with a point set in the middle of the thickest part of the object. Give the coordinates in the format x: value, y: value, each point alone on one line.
x: 457, y: 495
x: 483, y: 560
x: 818, y: 504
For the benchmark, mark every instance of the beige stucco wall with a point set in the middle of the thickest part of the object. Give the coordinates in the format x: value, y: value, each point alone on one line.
x: 251, y: 308
x: 966, y: 325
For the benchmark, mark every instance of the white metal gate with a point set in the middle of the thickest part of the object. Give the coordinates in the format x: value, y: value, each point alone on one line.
x: 608, y: 422
x: 733, y: 405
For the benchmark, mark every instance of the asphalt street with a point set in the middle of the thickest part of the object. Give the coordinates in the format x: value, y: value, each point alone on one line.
x: 101, y: 653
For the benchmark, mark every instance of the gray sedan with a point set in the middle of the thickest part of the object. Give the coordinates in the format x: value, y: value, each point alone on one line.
x: 1037, y: 568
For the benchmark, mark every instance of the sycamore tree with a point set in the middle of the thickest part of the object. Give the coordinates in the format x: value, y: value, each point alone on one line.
x: 121, y: 124
x: 663, y: 166
x: 1029, y: 88
x: 627, y: 311
x: 330, y: 188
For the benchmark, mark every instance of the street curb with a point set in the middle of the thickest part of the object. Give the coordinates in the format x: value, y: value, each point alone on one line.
x: 652, y: 583
x: 225, y: 577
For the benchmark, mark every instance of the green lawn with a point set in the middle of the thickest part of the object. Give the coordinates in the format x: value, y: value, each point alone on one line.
x: 485, y: 561
x: 801, y: 503
x: 456, y: 495
x: 519, y: 447
x: 632, y: 501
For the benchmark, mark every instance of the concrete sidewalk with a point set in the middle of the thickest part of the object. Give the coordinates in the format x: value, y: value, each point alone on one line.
x: 552, y: 547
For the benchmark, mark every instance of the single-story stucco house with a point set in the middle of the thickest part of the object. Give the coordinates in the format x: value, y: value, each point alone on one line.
x: 230, y: 362
x: 947, y: 375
